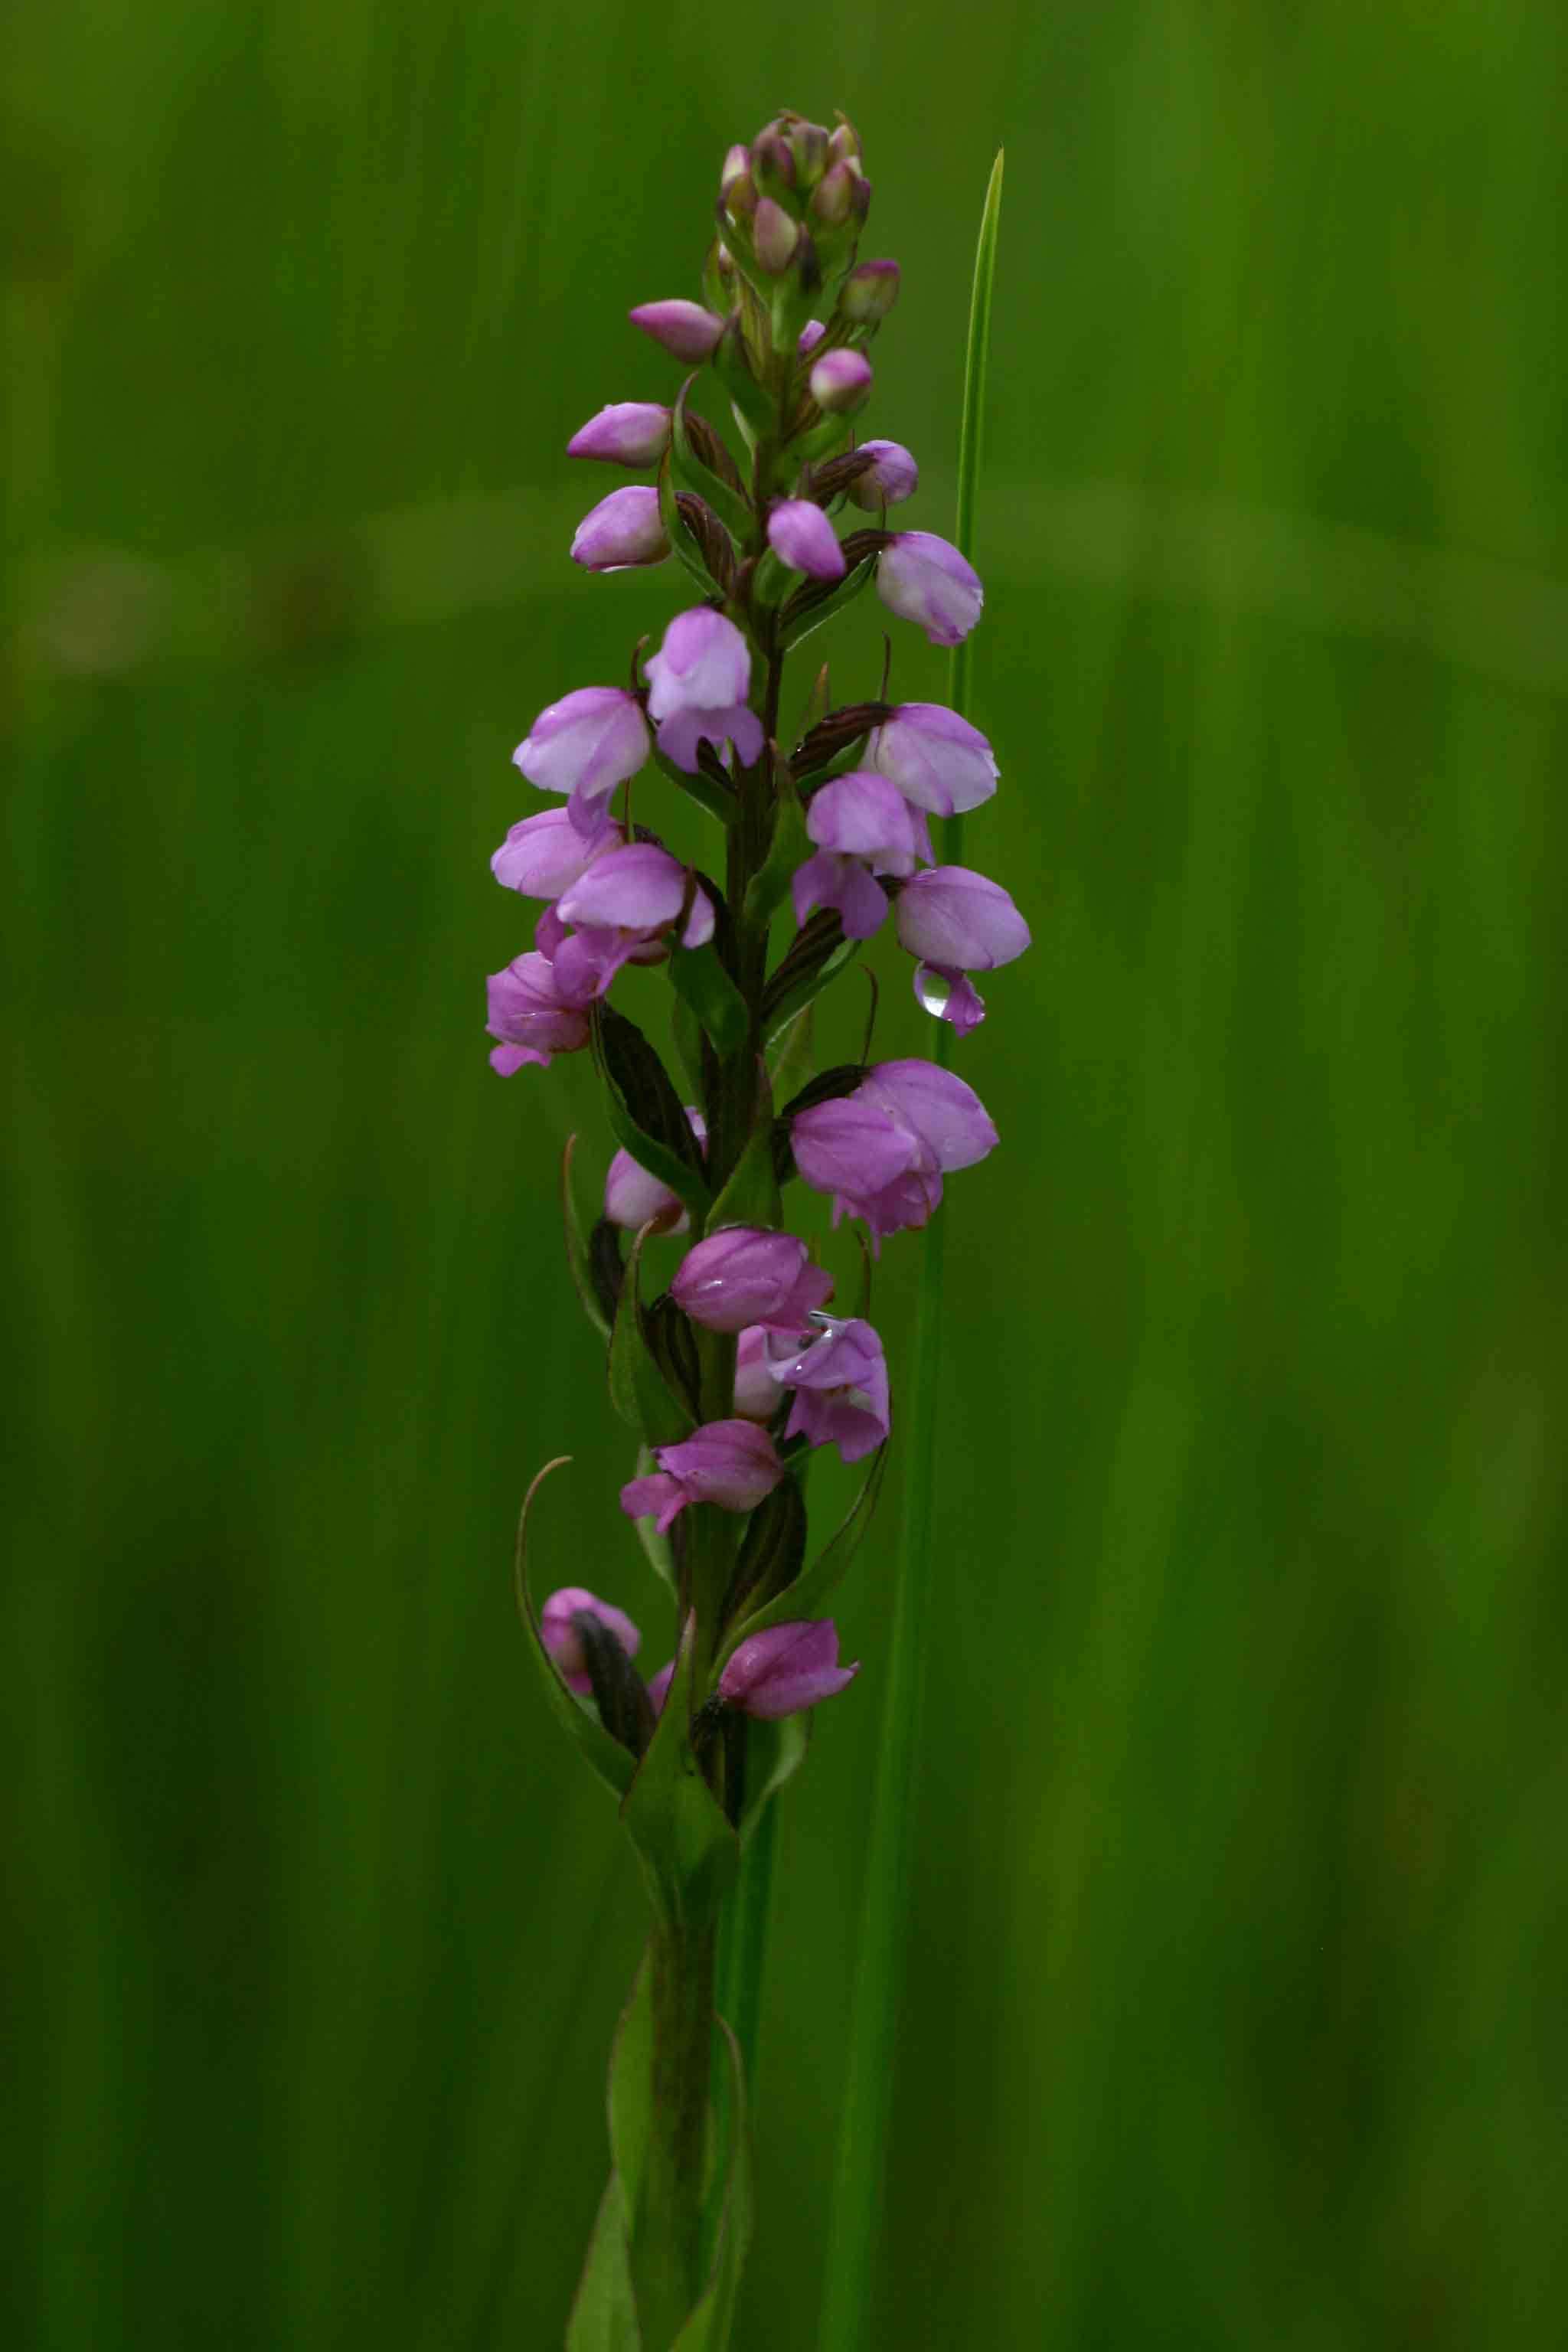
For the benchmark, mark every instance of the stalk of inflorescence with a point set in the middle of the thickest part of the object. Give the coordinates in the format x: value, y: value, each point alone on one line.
x: 870, y: 2073
x: 725, y: 1360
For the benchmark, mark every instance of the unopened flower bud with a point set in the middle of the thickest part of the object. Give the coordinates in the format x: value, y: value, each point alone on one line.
x: 627, y: 433
x: 756, y: 1390
x: 772, y: 165
x: 563, y: 1638
x: 843, y: 143
x: 633, y: 1198
x: 684, y: 328
x: 841, y: 382
x: 735, y: 167
x: 800, y: 536
x: 937, y: 760
x: 894, y: 478
x: 870, y: 292
x: 622, y: 531
x: 749, y: 1273
x: 809, y: 145
x: 810, y: 335
x: 776, y: 236
x: 833, y: 198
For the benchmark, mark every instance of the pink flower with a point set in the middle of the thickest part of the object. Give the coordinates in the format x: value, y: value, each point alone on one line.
x: 841, y: 382
x: 562, y: 1637
x: 800, y: 536
x: 749, y: 1274
x: 784, y: 1669
x: 627, y: 433
x: 957, y: 920
x: 621, y: 906
x: 810, y: 335
x: 697, y: 683
x: 684, y: 328
x: 776, y: 236
x: 938, y: 760
x: 622, y: 531
x: 863, y: 827
x: 882, y: 1152
x: 634, y: 1198
x: 894, y: 478
x: 542, y: 856
x: 841, y: 1379
x: 531, y: 1016
x: 586, y: 745
x: 658, y: 1687
x: 730, y: 1463
x: 922, y: 579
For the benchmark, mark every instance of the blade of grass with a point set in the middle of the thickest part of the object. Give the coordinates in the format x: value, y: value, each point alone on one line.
x: 867, y: 2097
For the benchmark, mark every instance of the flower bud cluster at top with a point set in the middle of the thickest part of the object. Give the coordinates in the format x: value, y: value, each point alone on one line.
x: 739, y: 1367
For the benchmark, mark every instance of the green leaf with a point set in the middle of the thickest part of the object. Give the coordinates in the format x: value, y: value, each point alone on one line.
x: 688, y: 1850
x: 800, y: 978
x: 708, y: 2329
x: 806, y: 611
x: 884, y: 1923
x: 731, y: 506
x: 792, y: 1053
x: 577, y: 1246
x: 660, y: 1558
x: 604, y: 2313
x: 615, y: 1765
x: 751, y: 1197
x: 638, y: 1390
x: 789, y: 846
x: 687, y: 1031
x: 631, y: 2088
x: 775, y: 1751
x: 679, y: 533
x: 646, y: 1112
x: 702, y: 980
x: 813, y: 1586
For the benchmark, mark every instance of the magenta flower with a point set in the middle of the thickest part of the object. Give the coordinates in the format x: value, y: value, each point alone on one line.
x: 800, y: 536
x: 880, y: 1153
x: 627, y: 433
x: 586, y: 745
x: 923, y: 580
x: 559, y: 1632
x: 698, y: 680
x: 730, y: 1463
x: 863, y: 827
x: 531, y: 1016
x: 784, y: 1669
x: 894, y: 478
x: 841, y: 1379
x: 634, y: 1198
x: 684, y: 328
x: 959, y: 921
x: 542, y: 856
x: 810, y: 335
x: 756, y: 1390
x: 621, y: 905
x: 841, y: 382
x: 749, y: 1274
x: 622, y: 531
x: 937, y: 760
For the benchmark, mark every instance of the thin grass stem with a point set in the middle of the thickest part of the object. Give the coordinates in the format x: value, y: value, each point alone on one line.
x: 869, y: 2084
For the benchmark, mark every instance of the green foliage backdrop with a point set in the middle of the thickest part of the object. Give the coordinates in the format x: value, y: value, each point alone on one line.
x: 1235, y: 2014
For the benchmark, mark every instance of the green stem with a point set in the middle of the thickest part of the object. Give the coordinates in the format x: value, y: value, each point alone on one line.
x: 863, y: 2123
x: 666, y: 2234
x: 743, y: 1943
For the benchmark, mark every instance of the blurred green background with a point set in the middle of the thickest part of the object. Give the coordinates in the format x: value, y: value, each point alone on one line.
x: 1235, y: 2014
